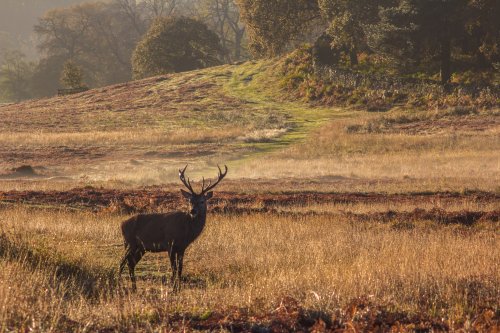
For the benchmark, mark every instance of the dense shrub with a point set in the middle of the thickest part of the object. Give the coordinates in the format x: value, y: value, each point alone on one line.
x: 175, y: 45
x: 374, y: 91
x: 72, y: 76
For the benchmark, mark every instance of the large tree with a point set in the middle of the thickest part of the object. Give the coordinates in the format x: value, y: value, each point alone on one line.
x: 223, y: 17
x: 273, y: 24
x: 176, y: 45
x: 422, y: 32
x: 348, y: 21
x: 100, y: 36
x: 15, y: 77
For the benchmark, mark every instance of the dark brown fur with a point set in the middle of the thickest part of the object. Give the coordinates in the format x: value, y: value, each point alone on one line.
x: 170, y: 232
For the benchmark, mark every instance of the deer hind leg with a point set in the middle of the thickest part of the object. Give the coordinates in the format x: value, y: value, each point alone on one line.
x: 133, y: 258
x: 124, y: 261
x: 176, y: 262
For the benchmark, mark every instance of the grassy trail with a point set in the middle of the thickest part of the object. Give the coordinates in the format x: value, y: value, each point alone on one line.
x: 255, y: 83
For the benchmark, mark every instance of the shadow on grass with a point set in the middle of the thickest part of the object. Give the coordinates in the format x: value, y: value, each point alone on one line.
x: 89, y: 282
x: 189, y: 281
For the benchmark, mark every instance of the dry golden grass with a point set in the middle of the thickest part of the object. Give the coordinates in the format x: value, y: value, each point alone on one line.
x: 333, y: 158
x: 99, y: 135
x: 480, y: 167
x: 250, y: 261
x: 137, y: 138
x: 56, y: 266
x: 141, y: 132
x: 441, y: 161
x: 331, y: 183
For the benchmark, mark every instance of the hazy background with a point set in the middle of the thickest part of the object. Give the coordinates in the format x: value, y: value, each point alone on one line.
x: 38, y: 37
x: 17, y: 18
x: 92, y: 43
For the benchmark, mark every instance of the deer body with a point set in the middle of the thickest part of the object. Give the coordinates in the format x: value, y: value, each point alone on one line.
x: 161, y: 232
x: 169, y: 232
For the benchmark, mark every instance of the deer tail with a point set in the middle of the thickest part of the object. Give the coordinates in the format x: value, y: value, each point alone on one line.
x: 128, y: 231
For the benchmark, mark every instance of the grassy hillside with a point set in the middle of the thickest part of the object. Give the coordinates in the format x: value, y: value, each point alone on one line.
x: 136, y: 130
x: 140, y: 132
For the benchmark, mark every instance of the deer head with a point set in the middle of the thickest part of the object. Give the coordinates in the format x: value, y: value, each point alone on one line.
x: 198, y: 201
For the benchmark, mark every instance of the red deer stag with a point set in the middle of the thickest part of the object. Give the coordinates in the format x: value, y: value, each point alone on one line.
x: 170, y: 232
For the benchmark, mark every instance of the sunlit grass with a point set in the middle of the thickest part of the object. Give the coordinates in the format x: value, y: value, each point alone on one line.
x: 140, y: 133
x: 252, y: 261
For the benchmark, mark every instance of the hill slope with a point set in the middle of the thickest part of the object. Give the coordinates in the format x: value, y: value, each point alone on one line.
x: 140, y: 133
x: 216, y: 114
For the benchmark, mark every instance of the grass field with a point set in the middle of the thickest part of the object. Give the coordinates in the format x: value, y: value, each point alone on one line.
x: 250, y: 262
x: 329, y: 219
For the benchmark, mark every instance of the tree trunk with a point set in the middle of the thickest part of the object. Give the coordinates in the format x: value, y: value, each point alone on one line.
x: 482, y: 61
x: 445, y: 60
x: 238, y: 37
x: 353, y: 55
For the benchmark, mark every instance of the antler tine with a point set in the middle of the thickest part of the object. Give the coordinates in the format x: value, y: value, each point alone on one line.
x: 219, y: 178
x: 187, y: 182
x: 203, y: 185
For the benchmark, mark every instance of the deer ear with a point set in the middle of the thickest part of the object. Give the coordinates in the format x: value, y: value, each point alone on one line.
x: 209, y: 195
x: 186, y: 195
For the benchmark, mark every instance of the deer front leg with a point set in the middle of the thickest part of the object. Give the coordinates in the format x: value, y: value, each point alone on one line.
x: 180, y: 260
x: 176, y: 262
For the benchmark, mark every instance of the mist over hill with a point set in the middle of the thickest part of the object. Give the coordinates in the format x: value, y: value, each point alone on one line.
x: 37, y: 39
x: 17, y: 19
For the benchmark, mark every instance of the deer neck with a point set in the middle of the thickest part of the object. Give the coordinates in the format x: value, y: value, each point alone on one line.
x: 199, y: 220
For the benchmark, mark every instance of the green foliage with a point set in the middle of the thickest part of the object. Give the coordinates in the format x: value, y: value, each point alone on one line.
x: 273, y: 24
x: 374, y: 91
x: 415, y: 33
x: 348, y: 20
x: 175, y: 45
x: 72, y: 75
x: 297, y: 68
x: 99, y: 36
x: 15, y: 77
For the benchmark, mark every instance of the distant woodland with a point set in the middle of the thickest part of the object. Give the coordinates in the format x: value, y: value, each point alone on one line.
x: 17, y: 18
x: 39, y: 38
x: 45, y: 42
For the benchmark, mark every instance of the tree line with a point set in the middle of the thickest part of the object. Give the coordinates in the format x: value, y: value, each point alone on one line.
x: 435, y: 36
x: 107, y: 42
x: 96, y: 41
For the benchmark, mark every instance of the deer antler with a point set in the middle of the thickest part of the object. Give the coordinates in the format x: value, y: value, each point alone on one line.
x: 219, y: 178
x: 185, y: 181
